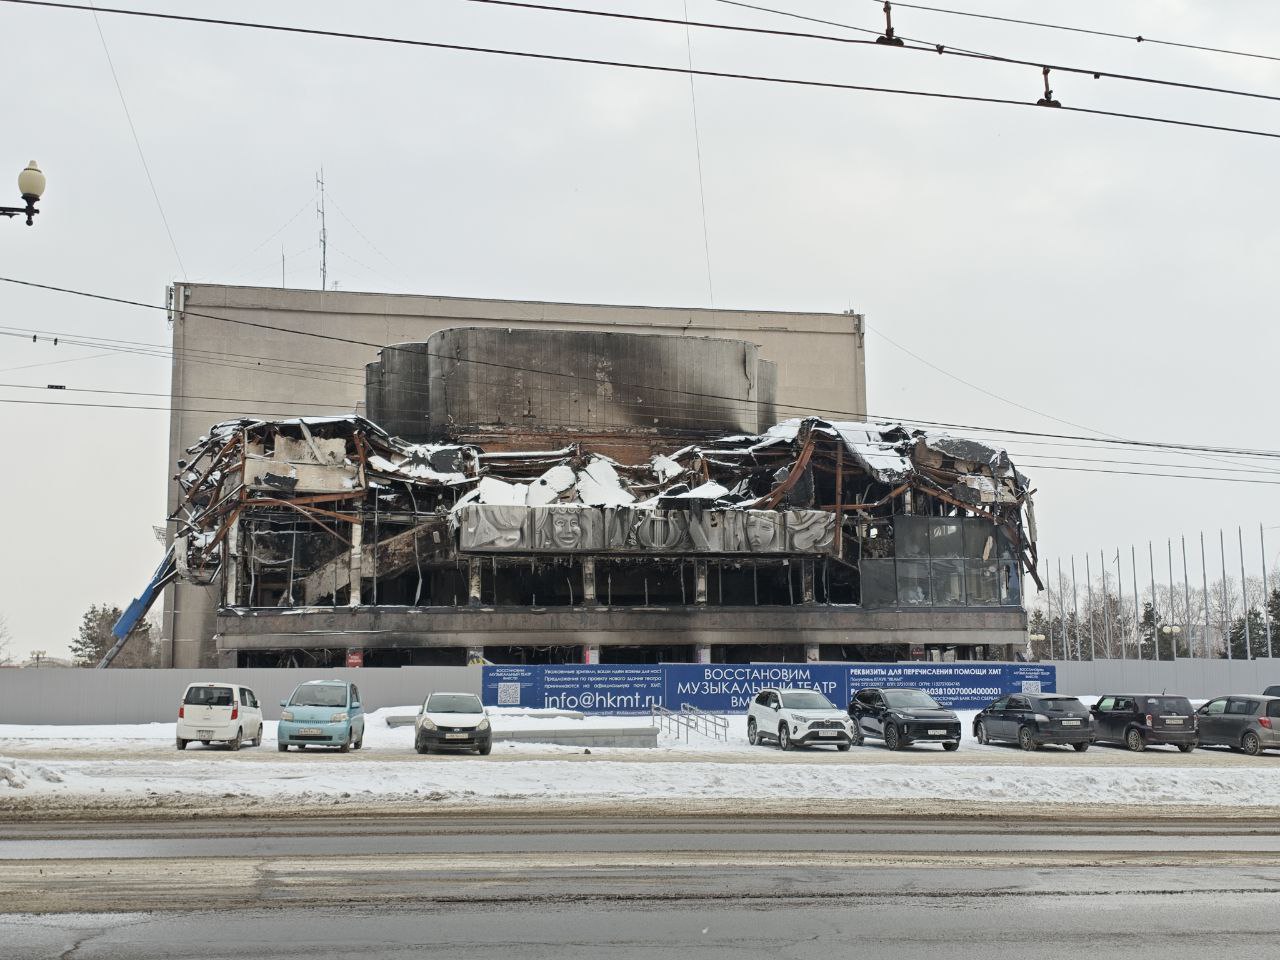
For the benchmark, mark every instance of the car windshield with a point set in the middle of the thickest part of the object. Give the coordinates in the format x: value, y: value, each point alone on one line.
x: 1176, y: 705
x: 910, y: 698
x: 454, y: 703
x: 319, y: 695
x: 1062, y: 705
x: 208, y: 696
x: 806, y: 700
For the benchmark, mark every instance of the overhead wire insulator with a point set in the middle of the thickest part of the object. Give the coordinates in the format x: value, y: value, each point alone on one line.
x: 1047, y: 100
x: 888, y: 37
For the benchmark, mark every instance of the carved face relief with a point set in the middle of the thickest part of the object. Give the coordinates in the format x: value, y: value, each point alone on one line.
x: 762, y: 531
x: 567, y: 529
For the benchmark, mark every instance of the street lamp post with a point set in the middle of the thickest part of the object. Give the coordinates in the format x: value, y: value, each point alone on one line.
x: 31, y: 187
x: 1173, y: 632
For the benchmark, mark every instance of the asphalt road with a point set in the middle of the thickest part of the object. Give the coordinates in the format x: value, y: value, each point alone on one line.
x: 569, y: 887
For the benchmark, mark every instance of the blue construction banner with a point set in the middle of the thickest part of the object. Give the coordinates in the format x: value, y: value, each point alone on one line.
x: 729, y: 687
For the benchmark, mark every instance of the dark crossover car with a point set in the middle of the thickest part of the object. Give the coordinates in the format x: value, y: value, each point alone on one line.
x: 1033, y: 719
x: 1273, y: 691
x: 1142, y: 720
x: 900, y: 716
x: 1247, y: 723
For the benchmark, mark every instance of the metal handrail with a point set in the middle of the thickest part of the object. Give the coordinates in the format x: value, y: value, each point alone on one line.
x: 689, y: 720
x: 708, y: 724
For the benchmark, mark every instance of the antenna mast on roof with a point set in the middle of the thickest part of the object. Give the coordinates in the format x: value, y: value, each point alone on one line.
x: 324, y: 262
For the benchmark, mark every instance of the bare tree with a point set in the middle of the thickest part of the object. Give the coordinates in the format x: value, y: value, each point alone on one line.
x: 6, y: 639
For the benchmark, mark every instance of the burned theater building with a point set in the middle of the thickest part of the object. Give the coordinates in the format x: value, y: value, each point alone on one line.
x: 549, y: 495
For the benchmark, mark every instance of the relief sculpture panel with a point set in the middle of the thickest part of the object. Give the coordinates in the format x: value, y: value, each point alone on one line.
x: 562, y: 528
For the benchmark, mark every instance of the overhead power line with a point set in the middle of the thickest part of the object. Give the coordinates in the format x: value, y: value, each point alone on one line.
x: 650, y: 67
x: 1138, y: 38
x: 916, y: 44
x: 1037, y: 466
x: 1145, y: 444
x: 1023, y: 457
x: 137, y: 142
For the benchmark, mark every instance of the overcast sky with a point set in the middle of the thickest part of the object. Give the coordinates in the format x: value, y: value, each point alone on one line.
x: 1115, y: 274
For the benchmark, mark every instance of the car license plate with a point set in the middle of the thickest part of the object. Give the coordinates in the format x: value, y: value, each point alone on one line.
x: 1173, y: 721
x: 310, y: 732
x: 204, y: 734
x: 1071, y: 723
x: 937, y: 733
x: 828, y: 733
x: 456, y: 736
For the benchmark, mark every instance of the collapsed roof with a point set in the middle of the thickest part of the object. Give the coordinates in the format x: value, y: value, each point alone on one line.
x: 336, y: 470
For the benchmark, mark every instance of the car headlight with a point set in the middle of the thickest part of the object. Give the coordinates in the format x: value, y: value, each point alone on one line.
x: 286, y: 714
x: 483, y: 725
x: 426, y: 724
x: 799, y: 718
x: 339, y: 718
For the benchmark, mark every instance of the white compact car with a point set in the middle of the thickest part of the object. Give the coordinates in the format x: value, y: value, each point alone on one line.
x: 793, y: 716
x: 219, y: 713
x: 453, y: 721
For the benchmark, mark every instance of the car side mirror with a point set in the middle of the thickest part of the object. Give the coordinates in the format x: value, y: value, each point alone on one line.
x: 284, y: 703
x: 1093, y: 708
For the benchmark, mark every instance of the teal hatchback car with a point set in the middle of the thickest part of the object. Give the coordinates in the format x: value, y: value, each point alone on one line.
x: 325, y: 713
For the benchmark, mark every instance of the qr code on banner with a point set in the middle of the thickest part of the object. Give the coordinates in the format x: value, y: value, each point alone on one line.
x: 508, y: 694
x: 1031, y: 686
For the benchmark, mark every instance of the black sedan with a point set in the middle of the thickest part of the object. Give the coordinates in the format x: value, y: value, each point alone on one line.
x: 901, y: 716
x: 1033, y: 719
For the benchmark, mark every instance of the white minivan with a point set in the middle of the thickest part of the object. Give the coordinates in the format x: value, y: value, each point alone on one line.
x: 219, y: 713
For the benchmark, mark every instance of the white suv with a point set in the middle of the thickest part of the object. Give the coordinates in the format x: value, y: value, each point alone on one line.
x: 225, y: 712
x: 797, y: 716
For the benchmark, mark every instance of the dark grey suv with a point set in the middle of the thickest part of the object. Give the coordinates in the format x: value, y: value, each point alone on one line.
x: 1140, y: 720
x: 1033, y: 719
x: 1248, y: 723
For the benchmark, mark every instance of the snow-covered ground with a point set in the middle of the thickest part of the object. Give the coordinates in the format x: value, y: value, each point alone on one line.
x: 136, y: 766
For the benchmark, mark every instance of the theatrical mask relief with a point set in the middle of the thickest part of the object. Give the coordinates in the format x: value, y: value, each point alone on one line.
x: 498, y: 528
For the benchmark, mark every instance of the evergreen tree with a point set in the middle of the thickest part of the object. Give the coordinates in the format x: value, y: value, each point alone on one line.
x: 1257, y: 636
x: 95, y: 639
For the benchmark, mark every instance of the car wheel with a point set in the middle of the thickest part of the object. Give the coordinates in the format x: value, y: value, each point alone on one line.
x: 485, y: 750
x: 345, y: 746
x: 1186, y: 747
x: 205, y: 742
x: 753, y: 735
x: 234, y: 742
x: 1251, y: 743
x: 784, y: 737
x: 182, y: 744
x: 951, y: 745
x: 359, y: 743
x: 420, y: 746
x: 1134, y: 740
x: 843, y: 747
x: 1081, y: 747
x: 282, y: 747
x: 1025, y: 739
x: 891, y: 738
x: 858, y: 738
x: 981, y: 734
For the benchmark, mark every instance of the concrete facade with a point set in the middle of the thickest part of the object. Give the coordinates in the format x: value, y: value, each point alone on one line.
x: 271, y: 353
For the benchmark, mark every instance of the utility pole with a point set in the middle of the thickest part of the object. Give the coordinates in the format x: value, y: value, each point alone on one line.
x: 324, y: 239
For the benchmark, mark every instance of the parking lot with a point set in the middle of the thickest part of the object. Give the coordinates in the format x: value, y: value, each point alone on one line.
x: 134, y: 770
